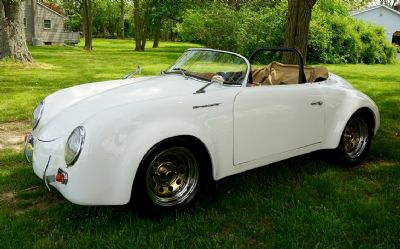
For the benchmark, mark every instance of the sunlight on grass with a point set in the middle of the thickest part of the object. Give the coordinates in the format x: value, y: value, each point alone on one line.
x: 57, y: 67
x: 5, y: 172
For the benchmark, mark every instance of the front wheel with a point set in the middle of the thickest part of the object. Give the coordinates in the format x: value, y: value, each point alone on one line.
x: 169, y: 177
x: 172, y: 177
x: 356, y: 139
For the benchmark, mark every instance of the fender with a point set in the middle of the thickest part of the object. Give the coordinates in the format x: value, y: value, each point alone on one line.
x: 340, y: 106
x: 132, y: 136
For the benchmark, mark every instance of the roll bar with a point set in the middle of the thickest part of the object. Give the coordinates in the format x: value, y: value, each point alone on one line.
x: 302, y: 76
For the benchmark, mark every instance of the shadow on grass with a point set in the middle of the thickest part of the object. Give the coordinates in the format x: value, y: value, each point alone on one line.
x: 282, y: 203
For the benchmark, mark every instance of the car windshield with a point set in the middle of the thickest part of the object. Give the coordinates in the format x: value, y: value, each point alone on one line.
x: 205, y: 64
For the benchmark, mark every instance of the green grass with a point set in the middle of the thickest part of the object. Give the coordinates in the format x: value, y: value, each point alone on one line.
x: 58, y: 67
x: 304, y: 202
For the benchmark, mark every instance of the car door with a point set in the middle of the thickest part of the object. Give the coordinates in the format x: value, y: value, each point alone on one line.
x: 269, y: 120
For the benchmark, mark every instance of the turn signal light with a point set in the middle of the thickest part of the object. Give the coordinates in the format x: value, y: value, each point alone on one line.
x: 62, y: 176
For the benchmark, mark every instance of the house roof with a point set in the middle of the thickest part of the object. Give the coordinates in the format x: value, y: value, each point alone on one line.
x: 354, y: 13
x: 53, y: 11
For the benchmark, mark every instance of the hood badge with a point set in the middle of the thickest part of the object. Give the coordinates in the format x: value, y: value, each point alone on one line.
x: 205, y: 106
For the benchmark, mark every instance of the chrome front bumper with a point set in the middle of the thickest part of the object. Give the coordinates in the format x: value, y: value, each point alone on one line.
x: 48, y: 179
x: 28, y: 147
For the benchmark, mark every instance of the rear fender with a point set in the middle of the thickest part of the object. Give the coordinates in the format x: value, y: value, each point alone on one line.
x: 339, y: 109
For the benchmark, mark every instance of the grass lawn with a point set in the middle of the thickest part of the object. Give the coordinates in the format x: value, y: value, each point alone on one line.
x: 304, y: 202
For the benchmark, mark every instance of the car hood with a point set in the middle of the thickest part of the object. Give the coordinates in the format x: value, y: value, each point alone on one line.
x: 70, y: 107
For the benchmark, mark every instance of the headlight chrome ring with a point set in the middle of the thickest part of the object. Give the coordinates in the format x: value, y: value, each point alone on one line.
x: 74, y: 145
x: 37, y: 114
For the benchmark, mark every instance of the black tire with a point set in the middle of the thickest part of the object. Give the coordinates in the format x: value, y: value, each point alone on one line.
x: 169, y: 177
x: 356, y: 139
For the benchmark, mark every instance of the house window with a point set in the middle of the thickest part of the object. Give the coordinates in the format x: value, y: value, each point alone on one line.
x: 24, y: 22
x: 47, y: 24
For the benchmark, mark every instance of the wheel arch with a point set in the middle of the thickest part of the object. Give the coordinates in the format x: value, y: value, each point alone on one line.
x: 333, y: 139
x: 179, y: 139
x: 371, y: 118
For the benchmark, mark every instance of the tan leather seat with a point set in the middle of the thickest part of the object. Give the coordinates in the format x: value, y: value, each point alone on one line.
x: 277, y: 73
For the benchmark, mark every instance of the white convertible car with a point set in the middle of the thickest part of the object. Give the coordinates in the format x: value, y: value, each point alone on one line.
x: 210, y: 115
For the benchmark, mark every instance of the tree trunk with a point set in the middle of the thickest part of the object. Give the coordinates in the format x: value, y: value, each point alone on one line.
x: 297, y: 27
x: 138, y: 30
x: 12, y: 32
x: 122, y: 19
x: 87, y: 20
x: 145, y: 27
x: 156, y: 40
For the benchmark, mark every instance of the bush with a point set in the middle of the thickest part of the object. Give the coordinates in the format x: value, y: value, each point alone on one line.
x: 338, y: 38
x: 334, y: 36
x: 221, y: 27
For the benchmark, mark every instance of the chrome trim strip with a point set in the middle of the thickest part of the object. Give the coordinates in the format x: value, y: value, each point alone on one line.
x: 316, y: 103
x: 46, y: 141
x: 205, y: 106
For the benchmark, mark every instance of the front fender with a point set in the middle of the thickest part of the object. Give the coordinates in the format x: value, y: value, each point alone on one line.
x: 120, y: 137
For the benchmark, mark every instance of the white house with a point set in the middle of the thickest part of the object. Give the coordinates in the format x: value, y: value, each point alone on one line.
x: 383, y: 16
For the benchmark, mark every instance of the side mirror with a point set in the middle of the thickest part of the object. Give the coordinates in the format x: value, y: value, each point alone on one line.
x: 218, y: 80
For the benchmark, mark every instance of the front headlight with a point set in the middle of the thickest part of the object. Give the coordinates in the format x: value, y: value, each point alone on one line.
x: 74, y: 145
x: 37, y: 114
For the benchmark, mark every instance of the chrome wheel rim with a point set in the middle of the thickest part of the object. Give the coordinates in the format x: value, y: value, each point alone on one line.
x: 355, y: 137
x: 172, y: 177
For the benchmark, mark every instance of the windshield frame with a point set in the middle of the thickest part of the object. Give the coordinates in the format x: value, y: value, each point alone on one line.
x: 245, y: 79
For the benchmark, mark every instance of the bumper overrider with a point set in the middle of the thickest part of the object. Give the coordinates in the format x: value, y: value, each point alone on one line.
x: 60, y: 176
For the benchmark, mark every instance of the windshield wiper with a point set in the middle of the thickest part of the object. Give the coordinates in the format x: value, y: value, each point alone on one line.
x: 181, y: 70
x: 177, y: 69
x: 221, y: 83
x: 201, y: 90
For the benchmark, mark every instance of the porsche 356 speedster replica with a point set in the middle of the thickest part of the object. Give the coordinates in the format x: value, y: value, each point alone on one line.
x: 210, y: 115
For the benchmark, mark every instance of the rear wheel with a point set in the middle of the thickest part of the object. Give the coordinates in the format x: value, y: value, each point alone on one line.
x: 356, y: 139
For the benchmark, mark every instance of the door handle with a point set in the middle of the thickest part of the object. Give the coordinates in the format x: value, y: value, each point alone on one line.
x: 316, y: 103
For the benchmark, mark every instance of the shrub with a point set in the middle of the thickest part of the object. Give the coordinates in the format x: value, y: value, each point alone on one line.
x: 338, y: 38
x: 334, y: 36
x: 221, y: 27
x: 213, y: 26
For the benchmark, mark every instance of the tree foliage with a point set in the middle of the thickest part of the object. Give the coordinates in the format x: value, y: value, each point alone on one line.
x: 334, y: 36
x: 389, y: 3
x: 224, y: 27
x: 338, y: 38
